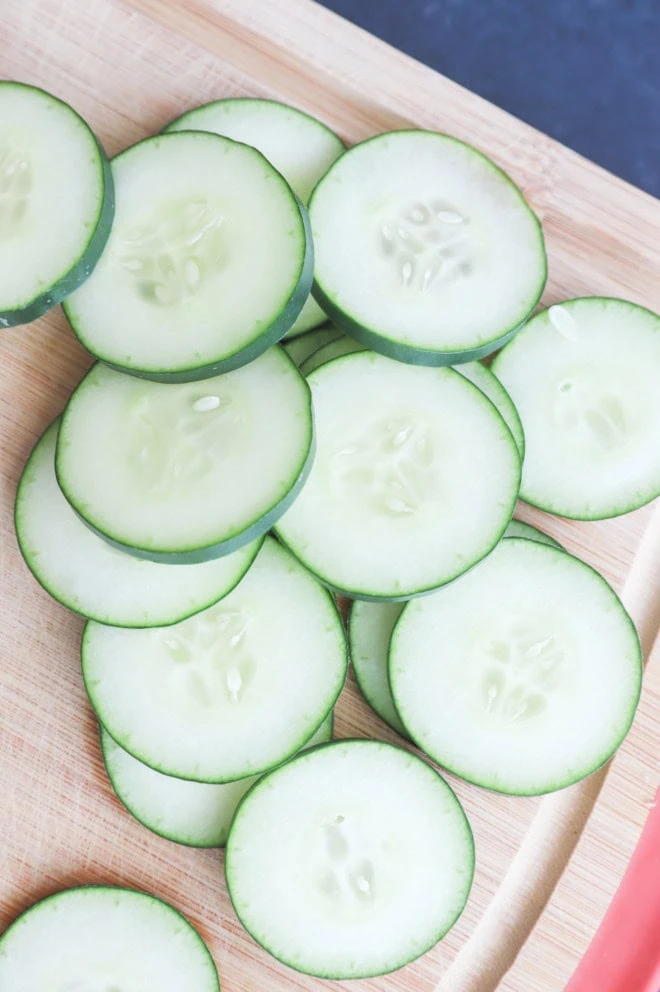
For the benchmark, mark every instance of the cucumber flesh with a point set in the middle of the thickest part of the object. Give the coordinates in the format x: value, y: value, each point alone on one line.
x: 406, y: 503
x: 56, y: 202
x: 583, y: 377
x: 300, y: 147
x: 188, y: 472
x: 192, y: 813
x: 482, y: 377
x: 334, y: 349
x: 231, y: 692
x: 370, y: 627
x: 87, y: 575
x: 523, y: 675
x: 517, y: 528
x: 333, y: 862
x: 104, y: 938
x: 302, y: 346
x: 425, y: 250
x: 208, y: 264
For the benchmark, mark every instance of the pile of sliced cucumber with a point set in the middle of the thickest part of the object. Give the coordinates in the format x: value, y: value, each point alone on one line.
x: 206, y: 492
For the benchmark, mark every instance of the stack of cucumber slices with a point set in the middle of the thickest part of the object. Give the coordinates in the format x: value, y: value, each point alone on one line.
x: 207, y: 492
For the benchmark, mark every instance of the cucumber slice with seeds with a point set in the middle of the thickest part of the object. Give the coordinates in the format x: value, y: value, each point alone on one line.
x: 56, y: 202
x: 404, y: 501
x: 192, y: 813
x: 106, y: 938
x: 349, y: 861
x: 231, y: 692
x: 299, y: 146
x: 87, y: 575
x: 188, y: 472
x: 425, y: 250
x: 302, y: 346
x: 334, y: 349
x: 583, y: 377
x: 523, y: 675
x: 208, y: 265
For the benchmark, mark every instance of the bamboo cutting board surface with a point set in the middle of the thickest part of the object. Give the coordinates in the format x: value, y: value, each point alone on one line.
x: 546, y: 868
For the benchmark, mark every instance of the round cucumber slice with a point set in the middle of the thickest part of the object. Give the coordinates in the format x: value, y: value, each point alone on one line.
x: 56, y: 202
x: 523, y: 675
x: 333, y: 861
x: 231, y: 692
x: 188, y: 472
x: 482, y: 377
x: 519, y: 529
x: 302, y: 346
x: 334, y: 349
x: 582, y: 376
x: 370, y: 627
x: 398, y: 501
x: 106, y: 938
x: 89, y: 576
x: 425, y: 250
x: 208, y: 265
x: 300, y: 147
x: 192, y: 813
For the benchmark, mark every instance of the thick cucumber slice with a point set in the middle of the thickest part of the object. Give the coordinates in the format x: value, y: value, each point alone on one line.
x: 523, y: 675
x: 370, y: 627
x: 231, y: 692
x: 192, y: 813
x: 425, y: 250
x: 415, y: 478
x: 583, y: 377
x: 89, y: 576
x: 349, y: 861
x: 519, y: 529
x: 104, y: 938
x: 490, y: 386
x: 334, y: 349
x: 56, y: 202
x: 188, y: 472
x: 299, y: 146
x: 302, y: 346
x: 209, y: 261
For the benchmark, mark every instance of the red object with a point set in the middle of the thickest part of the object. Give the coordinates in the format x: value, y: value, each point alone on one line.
x: 624, y: 955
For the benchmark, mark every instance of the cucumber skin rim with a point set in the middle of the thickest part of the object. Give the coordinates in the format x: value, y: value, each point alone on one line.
x: 237, y: 539
x: 258, y: 344
x: 104, y: 737
x: 411, y: 354
x: 22, y: 917
x: 370, y: 742
x: 564, y: 783
x: 84, y: 265
x: 356, y: 672
x: 635, y: 504
x: 507, y: 402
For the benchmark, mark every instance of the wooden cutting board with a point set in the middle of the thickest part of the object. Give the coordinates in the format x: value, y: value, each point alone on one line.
x: 546, y: 868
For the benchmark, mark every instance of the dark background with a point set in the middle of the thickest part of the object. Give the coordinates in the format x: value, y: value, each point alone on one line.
x: 586, y: 72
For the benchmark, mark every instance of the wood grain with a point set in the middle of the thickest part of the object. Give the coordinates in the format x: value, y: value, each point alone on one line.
x: 546, y: 868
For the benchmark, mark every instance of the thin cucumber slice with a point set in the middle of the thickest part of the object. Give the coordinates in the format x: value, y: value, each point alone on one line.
x: 188, y: 472
x: 192, y: 813
x: 523, y: 675
x: 208, y: 265
x: 415, y: 478
x: 334, y: 349
x: 87, y: 575
x: 56, y: 202
x: 301, y: 148
x: 583, y: 377
x: 349, y: 861
x: 370, y: 627
x: 104, y: 938
x: 302, y: 346
x: 425, y: 250
x: 519, y: 529
x: 490, y: 386
x: 233, y: 691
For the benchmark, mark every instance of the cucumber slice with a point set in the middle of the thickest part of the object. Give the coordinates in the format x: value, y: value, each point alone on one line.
x: 583, y: 376
x: 370, y: 627
x: 519, y: 529
x: 415, y: 478
x: 299, y: 146
x: 105, y: 938
x: 87, y: 575
x: 482, y: 377
x: 425, y: 250
x: 523, y: 675
x: 233, y: 691
x: 188, y: 472
x: 56, y: 202
x: 192, y: 813
x: 334, y: 349
x: 302, y: 346
x: 334, y: 863
x: 209, y: 261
